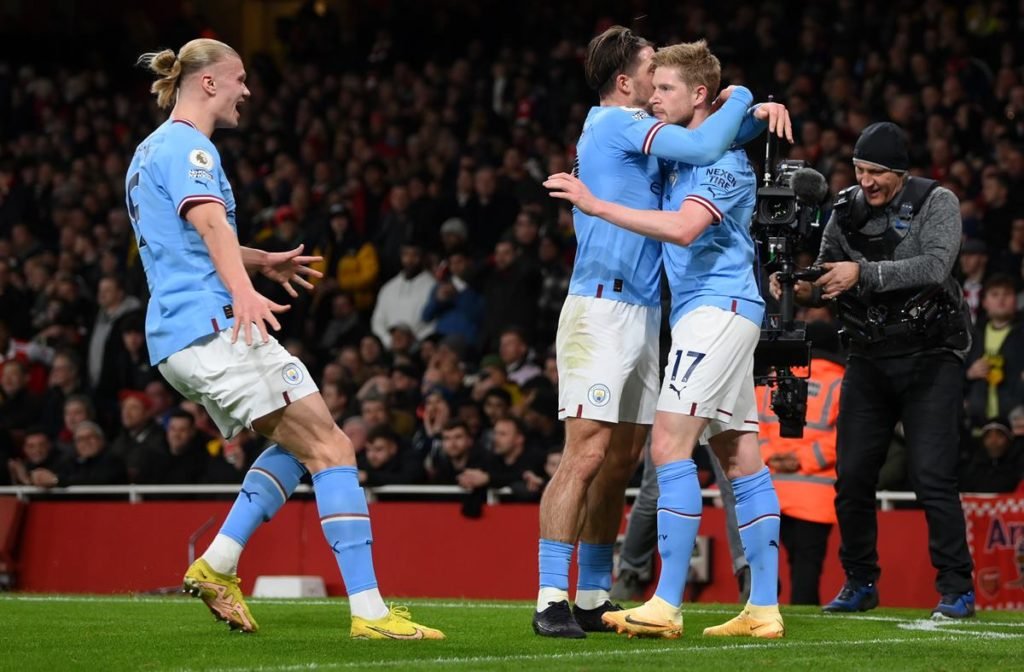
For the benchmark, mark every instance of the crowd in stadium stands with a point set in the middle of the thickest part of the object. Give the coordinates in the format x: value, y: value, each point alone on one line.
x: 417, y: 176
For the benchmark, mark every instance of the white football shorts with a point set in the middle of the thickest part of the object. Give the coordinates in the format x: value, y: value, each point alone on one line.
x: 710, y: 370
x: 607, y: 353
x: 235, y: 382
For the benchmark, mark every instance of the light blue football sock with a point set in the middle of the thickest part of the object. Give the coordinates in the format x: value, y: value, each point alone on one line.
x: 267, y: 485
x: 757, y: 514
x: 555, y: 557
x: 679, y: 511
x: 595, y: 565
x: 345, y: 519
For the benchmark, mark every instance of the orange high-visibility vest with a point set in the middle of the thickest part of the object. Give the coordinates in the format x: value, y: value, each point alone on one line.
x: 808, y: 494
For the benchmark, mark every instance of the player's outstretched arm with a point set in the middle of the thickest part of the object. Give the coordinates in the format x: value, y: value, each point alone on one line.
x: 283, y: 268
x: 680, y: 227
x: 707, y: 143
x: 773, y: 116
x: 248, y: 305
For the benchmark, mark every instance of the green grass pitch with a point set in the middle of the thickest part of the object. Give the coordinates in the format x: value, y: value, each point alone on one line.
x: 51, y: 632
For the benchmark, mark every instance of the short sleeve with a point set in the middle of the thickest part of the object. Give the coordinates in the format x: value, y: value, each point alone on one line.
x: 719, y: 189
x: 192, y: 175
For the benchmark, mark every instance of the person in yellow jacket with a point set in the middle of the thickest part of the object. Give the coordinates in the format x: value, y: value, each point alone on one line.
x: 804, y: 470
x: 350, y: 261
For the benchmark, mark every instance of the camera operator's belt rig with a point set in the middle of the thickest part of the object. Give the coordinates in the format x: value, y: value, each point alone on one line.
x: 896, y: 322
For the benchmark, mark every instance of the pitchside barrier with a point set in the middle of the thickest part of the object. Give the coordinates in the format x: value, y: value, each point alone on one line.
x: 140, y: 538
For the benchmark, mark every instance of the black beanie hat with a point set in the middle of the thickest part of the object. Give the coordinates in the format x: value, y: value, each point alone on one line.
x: 883, y: 144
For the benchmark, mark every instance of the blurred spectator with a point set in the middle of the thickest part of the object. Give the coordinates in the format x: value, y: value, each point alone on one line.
x: 141, y: 445
x: 386, y: 463
x: 338, y: 398
x: 972, y: 273
x: 33, y: 356
x: 437, y: 412
x: 554, y: 287
x: 458, y: 453
x: 161, y: 400
x: 18, y: 408
x: 357, y: 431
x: 14, y: 302
x: 77, y: 407
x: 515, y: 352
x: 514, y: 459
x: 995, y: 364
x: 230, y: 459
x: 376, y: 412
x: 343, y: 328
x: 349, y: 259
x: 105, y: 340
x: 998, y: 209
x: 402, y: 298
x: 187, y: 449
x: 454, y: 306
x: 996, y: 465
x: 454, y: 235
x: 128, y: 366
x: 65, y: 380
x: 403, y: 342
x: 38, y: 453
x: 92, y: 463
x: 1010, y: 260
x: 510, y: 294
x: 541, y: 419
x: 489, y: 212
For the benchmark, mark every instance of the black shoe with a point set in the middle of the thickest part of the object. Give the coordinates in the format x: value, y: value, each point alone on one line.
x: 557, y: 621
x: 590, y: 619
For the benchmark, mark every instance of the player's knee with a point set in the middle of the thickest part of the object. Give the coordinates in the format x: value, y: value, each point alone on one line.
x: 330, y: 448
x: 583, y: 463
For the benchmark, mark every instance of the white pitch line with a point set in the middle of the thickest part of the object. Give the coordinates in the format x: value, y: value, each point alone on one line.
x: 527, y: 657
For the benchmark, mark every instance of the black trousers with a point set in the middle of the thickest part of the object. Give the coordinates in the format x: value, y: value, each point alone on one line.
x: 926, y: 394
x: 806, y: 543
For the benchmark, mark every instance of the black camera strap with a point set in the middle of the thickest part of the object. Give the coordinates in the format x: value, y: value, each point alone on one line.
x: 852, y: 213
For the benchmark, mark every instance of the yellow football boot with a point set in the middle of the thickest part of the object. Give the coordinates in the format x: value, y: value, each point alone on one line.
x: 753, y: 621
x: 396, y: 625
x: 653, y: 618
x: 221, y: 594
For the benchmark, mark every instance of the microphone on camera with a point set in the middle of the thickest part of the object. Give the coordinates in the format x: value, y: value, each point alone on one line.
x: 809, y: 186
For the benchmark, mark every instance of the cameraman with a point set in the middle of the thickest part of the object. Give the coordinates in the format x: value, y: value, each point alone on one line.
x: 887, y: 254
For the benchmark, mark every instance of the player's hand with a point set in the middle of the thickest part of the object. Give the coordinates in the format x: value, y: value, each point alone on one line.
x: 251, y: 307
x: 777, y: 115
x: 288, y: 267
x: 723, y: 96
x: 841, y: 276
x: 569, y: 188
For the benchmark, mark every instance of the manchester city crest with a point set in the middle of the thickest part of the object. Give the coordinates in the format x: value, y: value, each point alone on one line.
x: 599, y: 395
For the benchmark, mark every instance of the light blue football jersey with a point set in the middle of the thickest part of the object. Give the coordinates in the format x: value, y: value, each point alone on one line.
x: 717, y: 269
x: 616, y: 159
x: 173, y: 169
